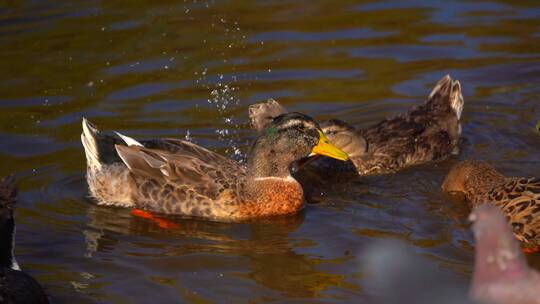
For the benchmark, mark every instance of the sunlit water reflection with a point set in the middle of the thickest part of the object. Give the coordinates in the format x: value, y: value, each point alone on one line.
x: 190, y: 70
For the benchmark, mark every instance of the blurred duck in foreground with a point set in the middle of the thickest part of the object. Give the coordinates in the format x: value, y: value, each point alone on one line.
x: 517, y: 197
x: 427, y: 132
x: 16, y: 286
x: 501, y: 274
x: 172, y: 176
x: 397, y: 275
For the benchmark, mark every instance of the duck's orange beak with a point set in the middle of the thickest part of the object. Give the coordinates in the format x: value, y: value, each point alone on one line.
x: 324, y: 147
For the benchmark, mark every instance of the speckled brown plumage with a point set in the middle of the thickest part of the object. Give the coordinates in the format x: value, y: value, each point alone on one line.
x: 428, y: 132
x: 178, y: 177
x: 517, y: 197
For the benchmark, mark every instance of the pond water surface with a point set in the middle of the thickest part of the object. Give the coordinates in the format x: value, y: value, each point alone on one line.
x: 190, y: 69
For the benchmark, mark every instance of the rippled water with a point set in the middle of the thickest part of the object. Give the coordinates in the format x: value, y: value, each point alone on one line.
x: 190, y: 69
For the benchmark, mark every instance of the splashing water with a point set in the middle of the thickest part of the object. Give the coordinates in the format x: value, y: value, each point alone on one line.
x: 222, y: 90
x: 223, y: 99
x: 188, y: 136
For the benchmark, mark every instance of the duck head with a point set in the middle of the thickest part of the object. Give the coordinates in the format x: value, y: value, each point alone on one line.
x: 470, y: 175
x: 289, y: 138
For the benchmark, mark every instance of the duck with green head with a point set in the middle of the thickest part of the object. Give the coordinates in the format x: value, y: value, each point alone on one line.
x: 427, y: 132
x: 173, y: 176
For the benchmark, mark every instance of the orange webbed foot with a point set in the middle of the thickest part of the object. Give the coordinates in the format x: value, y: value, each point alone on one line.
x: 165, y: 224
x: 530, y: 249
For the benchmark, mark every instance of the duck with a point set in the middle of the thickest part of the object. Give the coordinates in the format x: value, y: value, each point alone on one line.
x: 427, y: 132
x: 16, y: 286
x: 500, y: 274
x: 517, y: 197
x: 177, y: 177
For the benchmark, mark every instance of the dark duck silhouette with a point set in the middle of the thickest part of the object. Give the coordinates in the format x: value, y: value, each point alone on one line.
x: 16, y: 286
x: 427, y: 132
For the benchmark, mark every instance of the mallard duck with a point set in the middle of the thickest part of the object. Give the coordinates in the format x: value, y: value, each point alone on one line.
x: 517, y: 197
x: 428, y: 132
x: 501, y: 274
x: 173, y: 176
x: 16, y: 286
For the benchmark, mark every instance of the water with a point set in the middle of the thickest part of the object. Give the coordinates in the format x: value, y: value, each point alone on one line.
x: 150, y: 70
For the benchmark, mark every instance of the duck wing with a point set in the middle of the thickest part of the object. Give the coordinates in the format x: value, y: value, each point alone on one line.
x: 427, y: 132
x: 520, y: 199
x: 186, y: 148
x: 100, y: 146
x: 178, y: 182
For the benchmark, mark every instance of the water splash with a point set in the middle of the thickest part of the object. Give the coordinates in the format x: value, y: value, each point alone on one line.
x: 223, y: 92
x: 223, y: 98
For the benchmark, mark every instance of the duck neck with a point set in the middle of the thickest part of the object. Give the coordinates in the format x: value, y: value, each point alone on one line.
x: 270, y: 188
x: 7, y: 235
x: 265, y: 162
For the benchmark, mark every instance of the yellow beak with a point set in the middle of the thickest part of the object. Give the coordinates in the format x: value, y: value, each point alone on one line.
x: 324, y: 147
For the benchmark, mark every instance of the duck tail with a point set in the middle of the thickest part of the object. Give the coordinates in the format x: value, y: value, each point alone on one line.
x: 99, y: 147
x: 8, y: 192
x: 261, y: 114
x: 89, y: 139
x: 448, y: 90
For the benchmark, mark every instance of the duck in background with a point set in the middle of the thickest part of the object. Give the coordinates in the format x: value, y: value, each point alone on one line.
x: 501, y: 274
x: 16, y: 286
x: 517, y: 197
x: 427, y: 132
x: 172, y: 176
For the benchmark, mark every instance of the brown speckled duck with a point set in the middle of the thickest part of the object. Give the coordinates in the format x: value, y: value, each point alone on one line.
x: 517, y: 197
x: 172, y: 176
x: 428, y: 132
